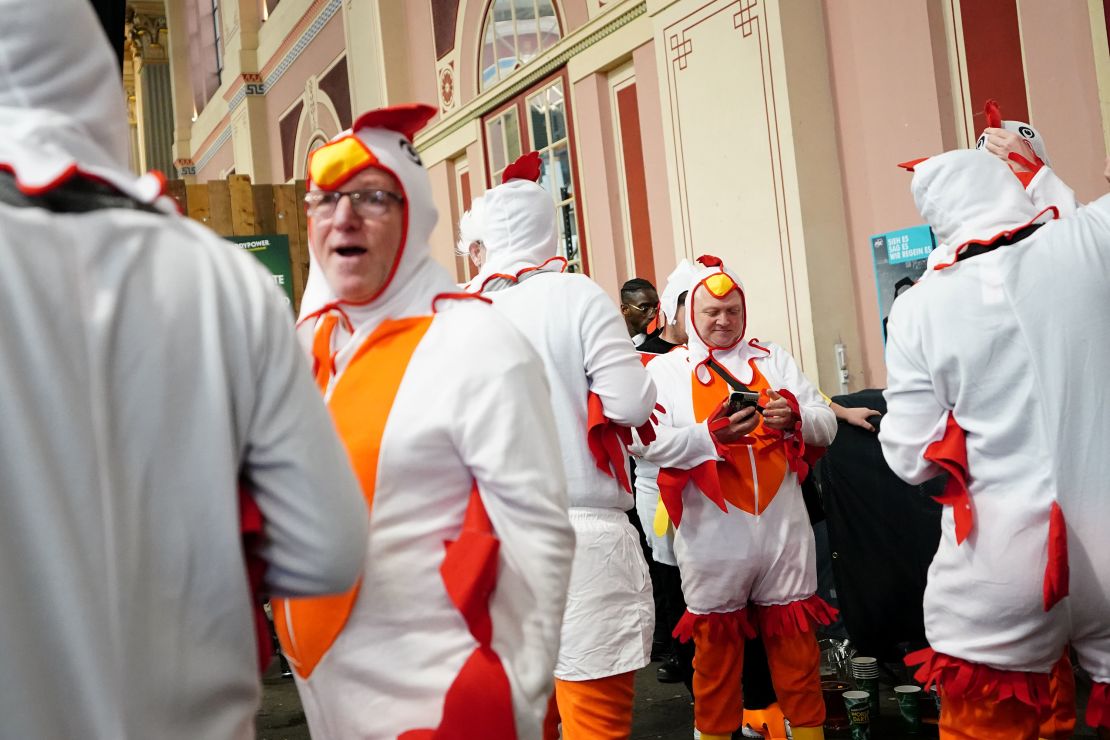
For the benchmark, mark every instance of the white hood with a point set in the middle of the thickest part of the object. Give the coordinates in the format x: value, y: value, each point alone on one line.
x: 62, y: 109
x: 969, y: 196
x: 520, y: 232
x: 678, y: 282
x: 381, y: 139
x: 733, y: 358
x: 471, y: 226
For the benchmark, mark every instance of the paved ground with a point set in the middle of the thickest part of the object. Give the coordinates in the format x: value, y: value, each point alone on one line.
x: 663, y: 712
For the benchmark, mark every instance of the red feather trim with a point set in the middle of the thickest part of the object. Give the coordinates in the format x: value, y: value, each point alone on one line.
x: 950, y: 453
x: 709, y: 260
x: 993, y: 114
x: 787, y: 620
x: 963, y: 678
x: 526, y: 167
x: 1056, y: 572
x: 1098, y: 706
x: 405, y: 119
x: 723, y: 626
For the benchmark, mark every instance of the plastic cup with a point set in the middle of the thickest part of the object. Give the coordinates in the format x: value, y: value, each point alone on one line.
x: 909, y: 704
x: 858, y: 704
x: 871, y: 686
x: 836, y: 715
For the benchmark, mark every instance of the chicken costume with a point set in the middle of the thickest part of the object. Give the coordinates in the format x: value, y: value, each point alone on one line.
x: 995, y: 372
x: 148, y: 367
x: 1043, y: 186
x: 743, y: 539
x: 453, y: 629
x: 596, y: 381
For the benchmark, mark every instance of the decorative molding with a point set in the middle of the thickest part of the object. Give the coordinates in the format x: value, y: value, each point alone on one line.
x: 223, y: 138
x: 185, y: 167
x: 148, y: 36
x: 317, y: 25
x: 248, y: 85
x: 533, y: 72
x: 448, y: 92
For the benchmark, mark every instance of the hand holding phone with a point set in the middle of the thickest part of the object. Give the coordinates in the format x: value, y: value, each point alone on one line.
x: 740, y: 400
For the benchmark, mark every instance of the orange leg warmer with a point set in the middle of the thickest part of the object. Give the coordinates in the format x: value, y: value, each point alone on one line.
x: 598, y: 709
x: 795, y: 662
x: 718, y: 664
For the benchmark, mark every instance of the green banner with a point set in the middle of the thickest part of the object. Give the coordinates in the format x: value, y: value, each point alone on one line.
x: 272, y: 250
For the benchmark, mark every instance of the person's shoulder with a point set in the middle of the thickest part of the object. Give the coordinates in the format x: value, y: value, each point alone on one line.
x: 472, y: 330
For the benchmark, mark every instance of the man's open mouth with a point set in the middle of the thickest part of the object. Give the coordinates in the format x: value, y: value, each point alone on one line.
x: 350, y: 251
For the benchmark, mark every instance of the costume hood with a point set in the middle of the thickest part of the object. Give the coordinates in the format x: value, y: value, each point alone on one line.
x: 519, y: 229
x: 1021, y: 128
x: 678, y: 282
x: 471, y: 226
x: 969, y: 196
x: 382, y: 139
x: 720, y: 281
x: 62, y: 110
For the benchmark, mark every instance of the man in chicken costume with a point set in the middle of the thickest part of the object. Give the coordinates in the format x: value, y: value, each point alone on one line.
x: 453, y: 629
x: 730, y: 484
x: 598, y: 387
x: 995, y: 370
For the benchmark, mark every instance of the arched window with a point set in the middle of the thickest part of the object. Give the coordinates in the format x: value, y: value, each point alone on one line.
x: 515, y: 32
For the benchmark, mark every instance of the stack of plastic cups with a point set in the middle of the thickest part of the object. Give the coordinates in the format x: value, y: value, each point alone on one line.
x: 866, y: 673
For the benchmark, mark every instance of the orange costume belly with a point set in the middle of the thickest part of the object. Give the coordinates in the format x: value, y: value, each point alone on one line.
x: 750, y: 474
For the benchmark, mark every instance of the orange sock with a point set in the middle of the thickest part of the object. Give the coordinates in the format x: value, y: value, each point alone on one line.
x: 718, y: 664
x: 795, y: 662
x: 598, y: 709
x: 981, y: 717
x: 1061, y: 723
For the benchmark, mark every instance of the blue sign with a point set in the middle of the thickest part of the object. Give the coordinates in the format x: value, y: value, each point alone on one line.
x: 899, y: 258
x: 906, y: 245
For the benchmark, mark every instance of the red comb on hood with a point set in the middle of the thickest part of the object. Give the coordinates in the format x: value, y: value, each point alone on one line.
x: 526, y: 167
x: 710, y: 261
x: 911, y: 163
x: 405, y: 119
x: 993, y: 114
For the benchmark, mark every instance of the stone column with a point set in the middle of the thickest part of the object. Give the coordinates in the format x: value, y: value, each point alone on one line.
x: 146, y: 30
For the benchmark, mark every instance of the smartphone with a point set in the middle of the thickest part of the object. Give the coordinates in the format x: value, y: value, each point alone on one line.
x: 740, y: 400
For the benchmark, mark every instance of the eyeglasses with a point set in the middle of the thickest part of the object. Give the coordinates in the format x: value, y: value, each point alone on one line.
x: 648, y: 309
x: 369, y: 204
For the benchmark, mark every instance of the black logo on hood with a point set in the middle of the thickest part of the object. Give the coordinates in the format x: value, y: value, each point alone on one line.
x: 410, y: 152
x: 1027, y: 132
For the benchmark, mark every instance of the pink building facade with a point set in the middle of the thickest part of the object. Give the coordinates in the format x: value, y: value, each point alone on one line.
x: 763, y: 131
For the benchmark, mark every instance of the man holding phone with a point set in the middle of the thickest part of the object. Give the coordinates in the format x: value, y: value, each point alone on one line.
x: 730, y: 478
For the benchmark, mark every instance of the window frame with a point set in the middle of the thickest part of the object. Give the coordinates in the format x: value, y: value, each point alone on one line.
x: 519, y: 103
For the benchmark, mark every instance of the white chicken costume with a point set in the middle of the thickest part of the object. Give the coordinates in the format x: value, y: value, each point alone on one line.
x: 597, y: 381
x: 996, y: 368
x: 743, y: 539
x: 453, y: 630
x: 148, y: 368
x: 1043, y: 186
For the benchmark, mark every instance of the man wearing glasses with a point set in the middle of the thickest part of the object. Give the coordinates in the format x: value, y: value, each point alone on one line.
x: 639, y: 305
x: 444, y: 411
x: 731, y: 449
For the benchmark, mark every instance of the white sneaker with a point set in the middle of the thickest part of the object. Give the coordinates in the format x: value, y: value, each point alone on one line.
x: 697, y: 734
x: 747, y: 731
x: 789, y: 734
